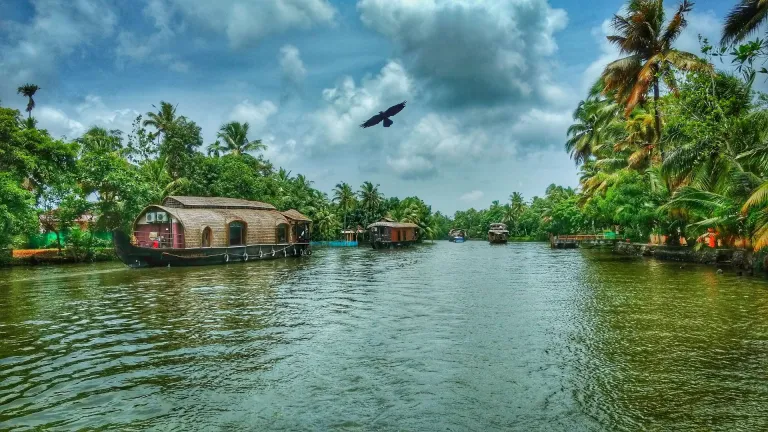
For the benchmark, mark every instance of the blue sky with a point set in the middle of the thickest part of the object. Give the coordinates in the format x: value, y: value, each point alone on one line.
x: 490, y: 84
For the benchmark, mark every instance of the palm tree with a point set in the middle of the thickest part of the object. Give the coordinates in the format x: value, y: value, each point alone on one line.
x: 594, y: 124
x: 99, y: 140
x: 162, y: 120
x: 743, y: 20
x: 325, y: 221
x: 235, y: 136
x: 283, y: 175
x: 28, y: 91
x: 345, y: 198
x: 215, y: 149
x: 646, y: 41
x: 370, y: 199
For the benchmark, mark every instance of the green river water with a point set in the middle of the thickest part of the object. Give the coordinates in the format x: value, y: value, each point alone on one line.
x: 444, y: 337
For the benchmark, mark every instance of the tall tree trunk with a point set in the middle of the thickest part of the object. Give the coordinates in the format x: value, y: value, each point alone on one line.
x: 657, y: 115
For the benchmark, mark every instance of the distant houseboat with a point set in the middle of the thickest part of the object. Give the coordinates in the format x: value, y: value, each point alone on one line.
x: 498, y: 233
x: 386, y: 234
x: 188, y: 231
x: 457, y: 235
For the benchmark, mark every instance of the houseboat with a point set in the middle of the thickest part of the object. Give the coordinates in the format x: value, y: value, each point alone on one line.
x: 387, y: 234
x: 457, y: 235
x: 191, y: 231
x: 498, y: 233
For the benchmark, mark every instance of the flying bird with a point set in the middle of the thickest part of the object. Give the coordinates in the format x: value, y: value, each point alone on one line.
x: 384, y: 115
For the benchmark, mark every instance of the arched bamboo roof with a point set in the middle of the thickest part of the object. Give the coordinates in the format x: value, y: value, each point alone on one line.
x: 260, y: 224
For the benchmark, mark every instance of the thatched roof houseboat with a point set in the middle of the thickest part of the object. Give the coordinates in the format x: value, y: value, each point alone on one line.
x: 387, y: 233
x: 209, y: 230
x: 498, y: 233
x: 457, y: 235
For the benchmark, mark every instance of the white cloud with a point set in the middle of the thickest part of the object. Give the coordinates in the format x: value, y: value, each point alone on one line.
x: 347, y: 105
x: 291, y: 65
x: 473, y: 196
x: 473, y: 51
x: 72, y: 122
x: 540, y: 128
x: 58, y: 123
x: 257, y: 115
x: 292, y: 71
x: 57, y: 28
x: 247, y: 23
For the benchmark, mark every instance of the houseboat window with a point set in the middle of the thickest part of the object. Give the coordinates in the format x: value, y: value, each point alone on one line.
x: 282, y: 233
x: 207, y: 237
x: 236, y: 233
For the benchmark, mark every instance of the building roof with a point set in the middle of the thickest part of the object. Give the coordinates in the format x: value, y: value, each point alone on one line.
x: 215, y: 202
x: 393, y: 224
x: 295, y: 215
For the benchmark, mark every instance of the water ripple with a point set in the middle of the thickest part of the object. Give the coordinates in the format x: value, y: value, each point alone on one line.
x: 440, y: 337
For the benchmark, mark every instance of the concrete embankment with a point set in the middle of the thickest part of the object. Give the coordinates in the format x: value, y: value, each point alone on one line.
x: 736, y: 259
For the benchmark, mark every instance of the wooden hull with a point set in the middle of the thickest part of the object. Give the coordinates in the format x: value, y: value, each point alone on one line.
x: 497, y: 239
x: 138, y: 257
x: 390, y: 244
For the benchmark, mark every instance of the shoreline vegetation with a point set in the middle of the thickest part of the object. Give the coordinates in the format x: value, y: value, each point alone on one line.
x: 669, y: 144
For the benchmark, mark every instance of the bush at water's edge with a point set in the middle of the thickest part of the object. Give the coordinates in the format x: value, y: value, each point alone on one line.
x: 27, y: 257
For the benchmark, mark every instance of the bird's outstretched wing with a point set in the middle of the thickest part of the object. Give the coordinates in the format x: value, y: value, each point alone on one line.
x: 394, y: 109
x: 373, y: 121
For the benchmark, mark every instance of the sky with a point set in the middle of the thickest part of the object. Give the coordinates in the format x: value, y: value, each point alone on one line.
x: 491, y: 84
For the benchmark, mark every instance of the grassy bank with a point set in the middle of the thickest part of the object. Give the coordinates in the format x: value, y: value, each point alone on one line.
x: 29, y: 257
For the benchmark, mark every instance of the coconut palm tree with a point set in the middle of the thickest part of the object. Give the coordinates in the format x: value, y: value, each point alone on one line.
x: 326, y: 223
x: 28, y: 91
x: 646, y: 40
x: 235, y: 137
x: 215, y: 149
x: 594, y: 125
x: 345, y: 198
x: 162, y: 120
x: 99, y: 140
x: 743, y: 20
x: 370, y: 199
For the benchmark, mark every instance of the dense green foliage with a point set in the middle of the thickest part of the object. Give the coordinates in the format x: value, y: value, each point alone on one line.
x: 48, y: 183
x: 692, y: 159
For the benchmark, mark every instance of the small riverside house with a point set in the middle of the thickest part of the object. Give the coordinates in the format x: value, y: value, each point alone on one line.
x: 206, y: 230
x: 387, y: 233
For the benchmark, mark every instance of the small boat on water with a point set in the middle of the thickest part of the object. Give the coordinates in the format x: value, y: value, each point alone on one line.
x: 457, y: 235
x: 388, y: 234
x: 194, y: 231
x: 498, y: 233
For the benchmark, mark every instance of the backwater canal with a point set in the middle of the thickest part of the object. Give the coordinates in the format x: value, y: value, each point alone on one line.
x: 456, y: 337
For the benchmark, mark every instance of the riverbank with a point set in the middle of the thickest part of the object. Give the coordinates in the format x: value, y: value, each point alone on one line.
x: 31, y: 257
x: 735, y: 259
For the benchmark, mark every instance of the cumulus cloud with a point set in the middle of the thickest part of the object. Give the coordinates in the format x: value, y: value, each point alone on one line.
x: 439, y: 142
x: 73, y: 121
x: 292, y: 72
x: 347, y: 105
x: 58, y: 123
x: 257, y: 115
x: 30, y: 50
x: 473, y: 51
x: 247, y: 23
x: 473, y: 196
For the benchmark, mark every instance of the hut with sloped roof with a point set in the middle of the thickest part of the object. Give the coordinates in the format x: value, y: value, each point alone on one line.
x: 386, y: 233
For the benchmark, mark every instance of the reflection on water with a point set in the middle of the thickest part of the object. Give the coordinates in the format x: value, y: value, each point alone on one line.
x: 442, y: 337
